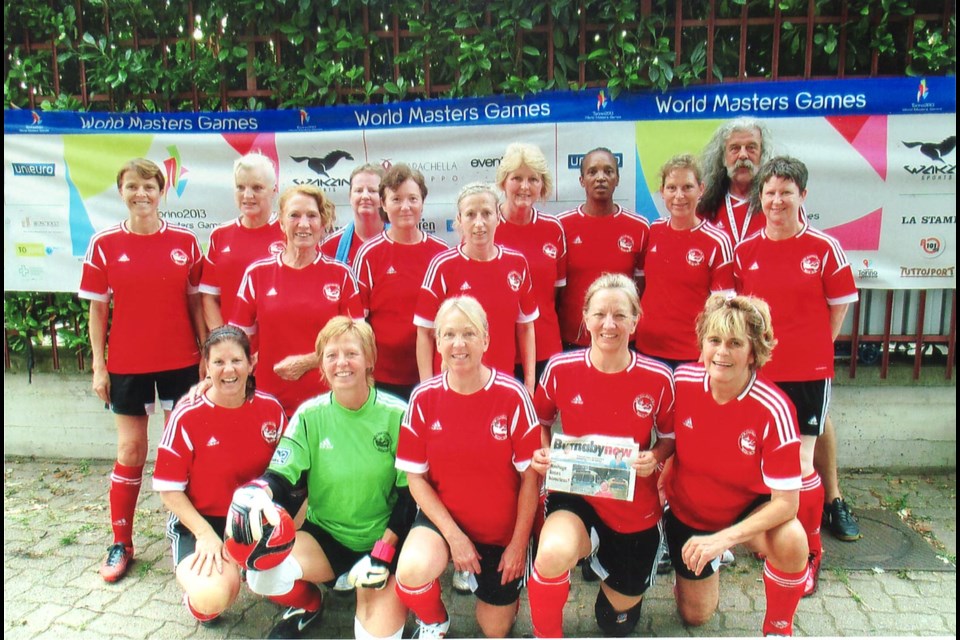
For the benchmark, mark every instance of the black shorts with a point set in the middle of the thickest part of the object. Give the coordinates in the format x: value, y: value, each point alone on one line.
x: 538, y: 369
x: 402, y: 391
x: 627, y: 562
x: 486, y: 586
x: 340, y: 557
x: 811, y: 399
x: 133, y: 394
x: 678, y: 532
x: 182, y: 540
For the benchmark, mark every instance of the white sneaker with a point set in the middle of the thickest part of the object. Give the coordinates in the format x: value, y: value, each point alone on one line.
x: 461, y: 582
x: 438, y: 630
x: 727, y: 559
x: 343, y: 584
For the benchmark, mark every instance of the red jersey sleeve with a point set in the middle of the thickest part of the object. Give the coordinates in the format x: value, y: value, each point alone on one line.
x: 526, y: 432
x: 196, y: 267
x: 93, y: 278
x: 561, y: 280
x: 209, y: 282
x: 838, y: 283
x: 364, y: 279
x: 430, y: 296
x: 529, y: 311
x: 721, y: 266
x: 411, y: 450
x: 174, y: 455
x: 245, y: 307
x: 664, y: 423
x: 350, y: 302
x: 780, y: 458
x: 544, y: 403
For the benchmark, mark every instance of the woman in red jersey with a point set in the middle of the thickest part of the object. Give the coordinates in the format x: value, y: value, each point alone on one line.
x: 466, y: 444
x: 286, y: 299
x: 211, y: 446
x: 150, y: 271
x: 235, y: 245
x: 726, y: 410
x: 606, y: 390
x: 390, y: 268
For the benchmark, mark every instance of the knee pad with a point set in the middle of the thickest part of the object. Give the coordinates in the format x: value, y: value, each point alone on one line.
x: 277, y: 581
x: 613, y: 623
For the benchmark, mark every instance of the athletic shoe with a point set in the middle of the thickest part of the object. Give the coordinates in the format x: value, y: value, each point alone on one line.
x: 118, y: 559
x: 813, y: 575
x: 425, y: 631
x: 727, y: 559
x: 589, y: 575
x: 461, y: 582
x: 840, y: 521
x: 295, y: 622
x: 343, y: 585
x: 665, y: 565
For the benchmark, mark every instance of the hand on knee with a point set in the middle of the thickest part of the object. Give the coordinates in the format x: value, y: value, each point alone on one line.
x: 613, y: 623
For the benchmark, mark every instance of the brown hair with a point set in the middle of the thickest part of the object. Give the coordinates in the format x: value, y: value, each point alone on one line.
x: 327, y: 209
x: 144, y: 168
x: 398, y: 174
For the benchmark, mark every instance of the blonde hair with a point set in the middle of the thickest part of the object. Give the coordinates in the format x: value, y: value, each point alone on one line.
x: 469, y: 307
x: 742, y: 317
x: 475, y: 188
x: 339, y: 326
x: 256, y: 162
x: 146, y: 169
x: 326, y: 206
x: 680, y: 162
x: 520, y: 154
x: 615, y: 282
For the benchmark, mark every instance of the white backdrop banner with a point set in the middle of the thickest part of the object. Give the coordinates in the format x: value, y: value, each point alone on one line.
x: 881, y: 155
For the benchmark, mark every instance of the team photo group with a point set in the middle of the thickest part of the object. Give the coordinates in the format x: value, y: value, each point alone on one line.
x: 358, y: 409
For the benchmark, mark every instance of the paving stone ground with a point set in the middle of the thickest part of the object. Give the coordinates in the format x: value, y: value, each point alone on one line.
x: 56, y: 532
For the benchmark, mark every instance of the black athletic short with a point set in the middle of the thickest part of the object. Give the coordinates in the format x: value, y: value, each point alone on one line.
x: 627, y: 562
x: 340, y: 557
x: 133, y: 394
x: 182, y: 540
x: 812, y: 400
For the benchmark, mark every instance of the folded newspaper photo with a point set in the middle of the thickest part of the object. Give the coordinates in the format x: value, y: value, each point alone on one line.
x: 597, y: 466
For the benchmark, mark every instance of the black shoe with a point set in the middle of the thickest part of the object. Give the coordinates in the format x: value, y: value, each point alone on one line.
x: 840, y: 521
x: 295, y: 622
x: 665, y: 565
x: 589, y: 575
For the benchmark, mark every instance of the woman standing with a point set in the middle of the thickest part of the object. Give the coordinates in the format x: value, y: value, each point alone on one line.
x: 211, y: 446
x: 524, y: 178
x: 235, y: 245
x: 390, y: 268
x: 605, y: 390
x: 497, y: 277
x: 150, y: 271
x: 344, y: 244
x: 469, y: 427
x: 288, y: 298
x: 729, y: 412
x: 339, y: 455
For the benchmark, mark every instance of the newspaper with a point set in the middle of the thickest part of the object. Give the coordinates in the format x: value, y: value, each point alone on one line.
x: 597, y: 466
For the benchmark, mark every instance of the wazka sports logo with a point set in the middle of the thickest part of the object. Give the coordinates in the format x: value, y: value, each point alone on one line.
x: 175, y: 171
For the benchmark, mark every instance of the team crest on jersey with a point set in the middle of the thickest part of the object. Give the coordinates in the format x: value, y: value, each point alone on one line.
x: 810, y: 264
x: 179, y: 257
x: 514, y: 280
x: 694, y: 257
x: 270, y: 432
x: 748, y: 442
x: 498, y: 428
x: 550, y: 250
x: 276, y: 248
x: 382, y: 442
x: 331, y: 291
x: 625, y: 243
x: 280, y: 456
x: 643, y: 405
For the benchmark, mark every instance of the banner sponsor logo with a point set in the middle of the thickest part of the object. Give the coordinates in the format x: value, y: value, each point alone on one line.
x: 39, y: 224
x: 867, y: 272
x: 928, y: 219
x: 574, y: 160
x: 927, y: 272
x: 932, y: 246
x: 41, y: 169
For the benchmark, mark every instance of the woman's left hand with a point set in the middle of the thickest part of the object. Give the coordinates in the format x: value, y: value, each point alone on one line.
x: 512, y: 562
x: 645, y: 463
x: 291, y: 368
x: 208, y: 554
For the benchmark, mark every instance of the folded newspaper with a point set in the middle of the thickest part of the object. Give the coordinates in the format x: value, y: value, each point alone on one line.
x: 597, y: 466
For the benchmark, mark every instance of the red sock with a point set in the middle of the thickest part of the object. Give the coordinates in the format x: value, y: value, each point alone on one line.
x: 783, y: 591
x: 200, y: 617
x: 424, y: 601
x: 811, y: 511
x: 124, y: 490
x: 304, y: 595
x: 547, y: 597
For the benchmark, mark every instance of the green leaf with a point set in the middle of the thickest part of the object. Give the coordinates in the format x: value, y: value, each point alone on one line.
x: 531, y: 51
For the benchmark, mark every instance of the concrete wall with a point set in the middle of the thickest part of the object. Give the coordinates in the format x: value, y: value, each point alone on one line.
x: 878, y: 427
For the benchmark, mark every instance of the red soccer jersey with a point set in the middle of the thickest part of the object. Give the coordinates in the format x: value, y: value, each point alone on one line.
x: 681, y: 269
x: 234, y: 247
x: 288, y: 307
x: 502, y: 286
x: 389, y: 275
x: 329, y: 246
x: 728, y: 454
x: 543, y: 245
x: 737, y: 221
x: 800, y: 278
x: 632, y: 403
x: 149, y: 278
x: 472, y: 449
x: 208, y: 451
x: 597, y: 245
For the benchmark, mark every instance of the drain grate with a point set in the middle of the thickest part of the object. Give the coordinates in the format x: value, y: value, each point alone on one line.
x: 887, y: 543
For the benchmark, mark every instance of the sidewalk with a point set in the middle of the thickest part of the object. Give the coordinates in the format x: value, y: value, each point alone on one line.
x: 56, y: 532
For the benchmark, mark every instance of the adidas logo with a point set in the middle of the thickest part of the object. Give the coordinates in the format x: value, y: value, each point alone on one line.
x: 465, y: 286
x: 272, y: 292
x: 813, y: 422
x: 391, y: 270
x: 123, y: 258
x: 688, y: 423
x: 653, y: 249
x: 436, y: 426
x: 212, y: 442
x: 754, y: 267
x: 226, y: 250
x: 577, y: 240
x: 326, y: 444
x: 577, y: 399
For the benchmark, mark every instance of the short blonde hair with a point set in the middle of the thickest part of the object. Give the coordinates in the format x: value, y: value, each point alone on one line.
x: 680, y: 162
x: 339, y: 326
x: 256, y: 162
x: 520, y: 154
x: 615, y: 282
x: 475, y: 188
x: 742, y: 317
x: 146, y: 169
x: 470, y: 307
x: 326, y: 206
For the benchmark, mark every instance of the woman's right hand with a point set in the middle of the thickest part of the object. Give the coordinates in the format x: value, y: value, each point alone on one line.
x: 541, y: 461
x: 208, y: 554
x: 463, y: 553
x: 199, y: 389
x: 101, y: 384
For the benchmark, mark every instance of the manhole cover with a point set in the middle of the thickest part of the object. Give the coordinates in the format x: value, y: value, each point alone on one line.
x: 887, y: 543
